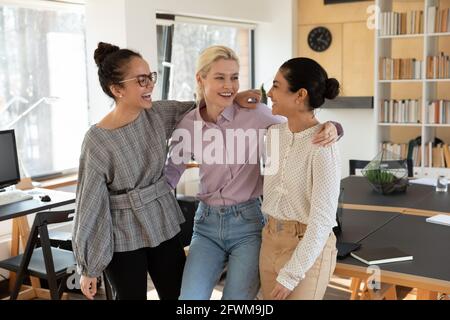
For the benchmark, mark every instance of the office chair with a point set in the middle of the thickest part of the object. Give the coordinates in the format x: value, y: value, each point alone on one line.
x: 63, y: 240
x: 43, y: 262
x: 361, y: 164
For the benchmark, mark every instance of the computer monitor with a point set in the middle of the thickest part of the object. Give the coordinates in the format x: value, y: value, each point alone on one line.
x: 9, y: 163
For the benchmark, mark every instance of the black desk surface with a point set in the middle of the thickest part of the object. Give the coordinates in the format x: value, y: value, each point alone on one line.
x: 358, y: 224
x: 34, y: 205
x: 357, y: 190
x: 434, y: 201
x: 428, y: 243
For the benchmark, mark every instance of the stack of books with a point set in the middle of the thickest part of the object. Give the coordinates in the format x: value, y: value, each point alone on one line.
x: 399, y: 69
x: 438, y: 112
x: 438, y: 67
x: 400, y: 149
x: 437, y: 155
x: 397, y: 23
x: 400, y: 111
x: 438, y: 20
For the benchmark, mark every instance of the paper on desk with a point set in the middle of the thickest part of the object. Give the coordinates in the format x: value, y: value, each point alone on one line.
x: 440, y: 219
x: 424, y: 181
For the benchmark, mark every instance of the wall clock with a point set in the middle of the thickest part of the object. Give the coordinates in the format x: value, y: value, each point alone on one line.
x: 319, y: 39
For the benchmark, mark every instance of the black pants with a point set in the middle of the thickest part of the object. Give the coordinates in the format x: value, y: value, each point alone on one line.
x: 127, y: 272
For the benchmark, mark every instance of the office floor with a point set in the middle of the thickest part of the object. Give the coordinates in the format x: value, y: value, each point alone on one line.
x: 338, y: 289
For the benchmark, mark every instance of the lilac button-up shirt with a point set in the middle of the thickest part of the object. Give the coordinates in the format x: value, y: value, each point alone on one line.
x: 229, y: 172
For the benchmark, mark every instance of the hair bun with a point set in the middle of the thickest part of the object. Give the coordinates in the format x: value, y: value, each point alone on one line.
x: 102, y: 51
x: 332, y: 88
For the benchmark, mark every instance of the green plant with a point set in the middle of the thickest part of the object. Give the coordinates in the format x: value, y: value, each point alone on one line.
x: 263, y: 94
x: 378, y: 176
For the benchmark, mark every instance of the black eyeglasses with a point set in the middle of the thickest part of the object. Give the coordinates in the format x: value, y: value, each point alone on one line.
x: 143, y: 79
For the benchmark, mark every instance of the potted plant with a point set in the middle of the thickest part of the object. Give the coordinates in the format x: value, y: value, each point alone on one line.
x: 387, y: 173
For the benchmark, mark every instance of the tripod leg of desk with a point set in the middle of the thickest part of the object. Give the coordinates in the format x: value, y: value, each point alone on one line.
x: 15, y: 238
x: 24, y: 230
x: 20, y: 233
x: 354, y: 288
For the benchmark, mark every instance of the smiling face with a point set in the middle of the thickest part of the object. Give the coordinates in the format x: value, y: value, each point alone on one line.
x: 284, y: 102
x: 221, y: 84
x: 131, y: 93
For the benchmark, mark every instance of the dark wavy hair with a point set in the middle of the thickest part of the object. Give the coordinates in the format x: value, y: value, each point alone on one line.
x: 111, y: 62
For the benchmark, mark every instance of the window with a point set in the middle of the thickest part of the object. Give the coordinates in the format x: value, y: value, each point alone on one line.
x: 180, y: 41
x: 43, y: 84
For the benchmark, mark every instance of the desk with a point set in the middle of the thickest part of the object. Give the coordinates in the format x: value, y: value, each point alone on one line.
x: 359, y: 224
x: 23, y: 208
x: 434, y: 203
x: 429, y: 244
x: 18, y: 212
x: 417, y: 200
x: 60, y: 182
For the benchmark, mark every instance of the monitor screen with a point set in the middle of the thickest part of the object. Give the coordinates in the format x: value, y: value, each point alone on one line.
x: 9, y: 164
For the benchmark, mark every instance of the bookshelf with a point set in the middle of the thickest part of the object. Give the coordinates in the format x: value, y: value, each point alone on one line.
x: 405, y: 38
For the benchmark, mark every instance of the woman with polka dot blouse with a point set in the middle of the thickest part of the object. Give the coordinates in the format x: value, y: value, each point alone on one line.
x: 298, y: 253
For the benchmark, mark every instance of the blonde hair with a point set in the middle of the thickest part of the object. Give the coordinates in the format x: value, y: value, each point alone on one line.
x: 206, y: 59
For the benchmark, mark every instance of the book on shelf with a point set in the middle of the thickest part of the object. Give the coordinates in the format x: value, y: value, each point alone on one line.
x: 438, y: 67
x: 437, y: 155
x: 401, y: 149
x: 400, y: 111
x: 438, y: 112
x: 438, y: 20
x: 400, y: 69
x: 399, y: 23
x: 446, y: 150
x: 372, y: 256
x: 411, y: 150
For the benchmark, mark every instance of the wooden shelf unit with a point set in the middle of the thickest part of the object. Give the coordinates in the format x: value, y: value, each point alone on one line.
x: 425, y: 90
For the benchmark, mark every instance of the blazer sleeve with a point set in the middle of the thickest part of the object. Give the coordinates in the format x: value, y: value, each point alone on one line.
x: 172, y: 112
x: 93, y: 240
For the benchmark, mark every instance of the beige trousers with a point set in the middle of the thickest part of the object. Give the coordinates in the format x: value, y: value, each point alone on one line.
x: 279, y: 240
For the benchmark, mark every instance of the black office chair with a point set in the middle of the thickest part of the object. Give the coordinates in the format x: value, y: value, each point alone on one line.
x: 43, y: 262
x: 361, y: 164
x: 63, y: 240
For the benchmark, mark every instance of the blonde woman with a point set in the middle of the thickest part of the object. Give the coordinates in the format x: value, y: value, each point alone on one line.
x: 228, y: 222
x: 298, y: 253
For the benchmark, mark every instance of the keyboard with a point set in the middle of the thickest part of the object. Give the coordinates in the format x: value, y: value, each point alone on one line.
x: 13, y: 196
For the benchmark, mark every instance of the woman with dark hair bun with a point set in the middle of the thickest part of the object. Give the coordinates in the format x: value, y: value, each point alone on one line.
x: 298, y: 251
x: 128, y: 221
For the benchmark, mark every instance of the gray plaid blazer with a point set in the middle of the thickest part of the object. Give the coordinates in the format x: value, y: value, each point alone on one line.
x: 123, y: 201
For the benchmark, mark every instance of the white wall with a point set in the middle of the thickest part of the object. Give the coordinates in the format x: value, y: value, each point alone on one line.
x: 359, y: 139
x: 132, y: 23
x: 275, y: 40
x: 103, y: 23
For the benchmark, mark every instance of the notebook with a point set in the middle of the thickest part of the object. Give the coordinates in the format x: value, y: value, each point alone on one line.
x: 381, y: 255
x: 440, y: 219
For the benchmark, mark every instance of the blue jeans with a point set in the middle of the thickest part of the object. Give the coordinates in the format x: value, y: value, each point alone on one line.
x: 224, y: 234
